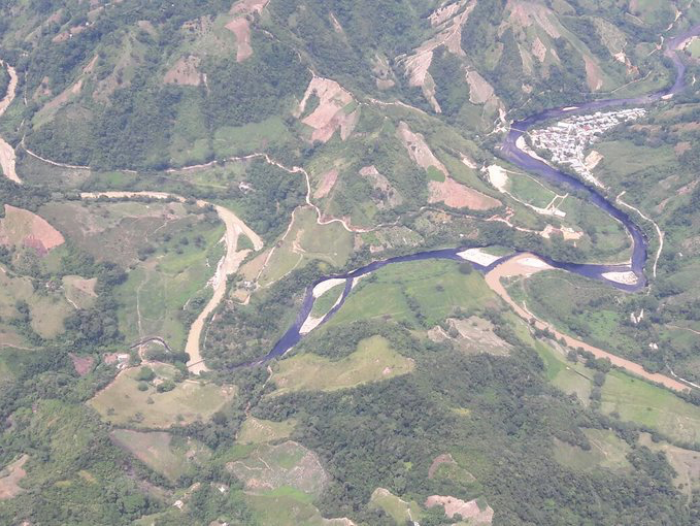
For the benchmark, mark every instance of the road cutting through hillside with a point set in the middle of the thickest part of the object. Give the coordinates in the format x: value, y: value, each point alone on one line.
x: 228, y: 265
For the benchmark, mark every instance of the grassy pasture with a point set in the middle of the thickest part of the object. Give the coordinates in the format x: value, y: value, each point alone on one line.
x: 607, y: 451
x: 306, y: 241
x: 170, y: 456
x: 284, y: 466
x: 323, y: 304
x: 685, y: 462
x: 256, y: 431
x: 644, y: 403
x: 403, y: 512
x: 374, y: 360
x: 121, y: 403
x: 436, y: 287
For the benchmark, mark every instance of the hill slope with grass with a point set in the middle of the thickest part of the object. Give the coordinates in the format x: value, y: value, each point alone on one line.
x: 191, y: 174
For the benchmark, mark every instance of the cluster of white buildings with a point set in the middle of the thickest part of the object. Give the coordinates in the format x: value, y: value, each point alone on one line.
x: 568, y: 139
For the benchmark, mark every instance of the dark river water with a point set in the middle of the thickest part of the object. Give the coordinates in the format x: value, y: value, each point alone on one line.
x: 510, y: 152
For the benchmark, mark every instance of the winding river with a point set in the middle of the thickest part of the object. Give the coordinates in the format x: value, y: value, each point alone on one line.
x: 511, y: 152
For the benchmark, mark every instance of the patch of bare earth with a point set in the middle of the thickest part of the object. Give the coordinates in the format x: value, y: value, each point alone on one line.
x: 480, y: 91
x: 456, y: 508
x: 456, y: 195
x: 185, y: 72
x: 448, y: 21
x: 11, y: 476
x: 7, y: 152
x: 387, y: 197
x: 327, y: 183
x: 449, y: 191
x: 82, y: 364
x: 244, y: 13
x: 473, y: 335
x: 330, y: 115
x: 21, y: 227
x: 525, y: 14
x: 681, y: 148
x: 593, y: 74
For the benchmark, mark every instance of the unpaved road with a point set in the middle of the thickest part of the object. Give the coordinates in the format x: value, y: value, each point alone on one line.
x: 227, y: 266
x: 7, y: 152
x: 528, y: 264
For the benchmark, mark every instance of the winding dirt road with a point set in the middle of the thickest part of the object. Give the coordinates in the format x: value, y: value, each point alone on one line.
x: 7, y: 152
x: 529, y: 264
x: 227, y: 266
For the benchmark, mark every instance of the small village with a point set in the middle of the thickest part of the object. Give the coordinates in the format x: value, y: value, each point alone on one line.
x: 569, y: 139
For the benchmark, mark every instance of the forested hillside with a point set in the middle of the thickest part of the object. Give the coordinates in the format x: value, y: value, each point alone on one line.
x: 198, y: 326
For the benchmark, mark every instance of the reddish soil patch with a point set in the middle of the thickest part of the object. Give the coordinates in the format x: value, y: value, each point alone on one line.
x: 681, y: 148
x: 327, y: 182
x: 330, y: 115
x: 82, y: 364
x: 21, y: 227
x: 240, y: 25
x: 241, y: 28
x: 185, y: 72
x: 9, y: 484
x: 456, y: 195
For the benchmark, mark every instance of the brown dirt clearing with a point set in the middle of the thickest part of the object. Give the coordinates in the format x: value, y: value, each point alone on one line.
x: 330, y: 115
x: 13, y: 474
x: 23, y: 228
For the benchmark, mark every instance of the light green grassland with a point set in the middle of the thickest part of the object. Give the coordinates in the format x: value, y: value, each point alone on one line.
x: 231, y: 141
x: 437, y: 287
x: 644, y: 403
x: 306, y: 241
x: 123, y: 403
x: 526, y: 189
x: 402, y: 511
x: 607, y: 451
x: 323, y: 304
x: 256, y: 431
x: 169, y: 456
x: 373, y: 361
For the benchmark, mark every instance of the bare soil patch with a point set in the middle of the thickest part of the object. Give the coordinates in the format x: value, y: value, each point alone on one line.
x: 12, y: 475
x: 418, y: 150
x: 473, y: 335
x: 23, y: 228
x: 240, y: 25
x: 388, y: 197
x: 442, y: 459
x: 331, y: 114
x: 594, y: 75
x: 327, y: 182
x: 457, y: 195
x: 480, y: 91
x: 82, y: 364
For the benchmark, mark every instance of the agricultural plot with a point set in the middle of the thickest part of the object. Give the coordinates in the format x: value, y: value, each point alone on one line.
x: 421, y: 293
x: 168, y: 455
x: 287, y: 466
x: 306, y: 240
x: 638, y: 401
x: 256, y: 431
x: 403, y: 512
x: 373, y: 361
x: 685, y: 462
x: 123, y: 403
x: 607, y: 451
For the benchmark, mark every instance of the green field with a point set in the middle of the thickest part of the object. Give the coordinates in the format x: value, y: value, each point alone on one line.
x: 323, y: 304
x: 256, y: 431
x: 607, y: 451
x: 374, y: 360
x: 435, y: 288
x: 122, y: 403
x: 403, y: 512
x: 168, y: 455
x: 652, y: 406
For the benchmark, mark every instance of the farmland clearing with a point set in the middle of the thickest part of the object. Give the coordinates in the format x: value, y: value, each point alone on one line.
x: 373, y: 361
x: 10, y: 478
x: 122, y: 403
